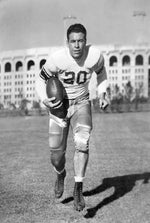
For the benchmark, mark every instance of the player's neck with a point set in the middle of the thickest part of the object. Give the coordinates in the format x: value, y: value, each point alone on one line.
x: 78, y: 60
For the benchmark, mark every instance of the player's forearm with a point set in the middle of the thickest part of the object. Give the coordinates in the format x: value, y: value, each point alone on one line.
x: 102, y: 87
x: 103, y: 102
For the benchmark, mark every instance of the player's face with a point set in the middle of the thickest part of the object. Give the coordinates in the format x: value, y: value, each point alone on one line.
x: 76, y: 44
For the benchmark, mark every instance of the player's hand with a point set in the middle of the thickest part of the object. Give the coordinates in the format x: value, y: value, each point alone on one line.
x: 103, y: 102
x: 49, y: 102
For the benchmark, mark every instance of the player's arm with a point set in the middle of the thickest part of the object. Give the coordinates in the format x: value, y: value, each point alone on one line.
x: 41, y: 91
x: 102, y: 83
x: 44, y: 75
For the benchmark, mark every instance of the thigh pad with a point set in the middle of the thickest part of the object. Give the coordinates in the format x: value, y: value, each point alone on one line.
x: 55, y: 134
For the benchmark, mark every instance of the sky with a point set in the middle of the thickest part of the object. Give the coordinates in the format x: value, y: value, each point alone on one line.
x: 40, y: 23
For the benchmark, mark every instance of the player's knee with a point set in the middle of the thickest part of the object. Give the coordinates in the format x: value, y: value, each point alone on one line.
x: 81, y: 139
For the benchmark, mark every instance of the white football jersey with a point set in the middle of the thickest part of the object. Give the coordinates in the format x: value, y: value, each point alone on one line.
x: 74, y: 75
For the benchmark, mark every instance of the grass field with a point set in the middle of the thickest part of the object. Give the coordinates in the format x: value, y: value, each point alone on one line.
x: 117, y: 184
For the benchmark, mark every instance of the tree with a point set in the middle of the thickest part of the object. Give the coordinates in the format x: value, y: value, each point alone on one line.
x: 1, y: 106
x: 12, y: 106
x: 138, y: 95
x: 117, y: 98
x: 23, y: 106
x: 129, y: 94
x: 36, y: 105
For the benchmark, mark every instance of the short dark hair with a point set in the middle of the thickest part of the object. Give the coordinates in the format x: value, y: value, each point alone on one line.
x: 77, y: 28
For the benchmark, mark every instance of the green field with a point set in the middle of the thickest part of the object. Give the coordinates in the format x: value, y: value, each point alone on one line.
x: 117, y: 184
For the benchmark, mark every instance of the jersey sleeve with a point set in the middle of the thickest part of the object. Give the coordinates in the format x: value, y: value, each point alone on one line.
x: 49, y: 69
x: 100, y: 70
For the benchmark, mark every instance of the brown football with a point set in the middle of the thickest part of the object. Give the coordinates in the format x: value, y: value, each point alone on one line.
x: 54, y: 88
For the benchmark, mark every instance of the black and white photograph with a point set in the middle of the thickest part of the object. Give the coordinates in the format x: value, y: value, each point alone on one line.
x: 74, y: 111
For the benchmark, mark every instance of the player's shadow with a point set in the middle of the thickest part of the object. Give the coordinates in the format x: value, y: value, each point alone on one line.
x: 121, y: 184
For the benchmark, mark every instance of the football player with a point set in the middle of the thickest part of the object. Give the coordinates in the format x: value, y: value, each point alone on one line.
x: 74, y: 66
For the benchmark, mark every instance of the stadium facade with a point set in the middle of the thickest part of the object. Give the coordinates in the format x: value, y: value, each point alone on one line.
x: 20, y: 68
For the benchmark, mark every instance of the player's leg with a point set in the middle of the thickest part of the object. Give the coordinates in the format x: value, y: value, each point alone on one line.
x: 58, y: 132
x: 82, y: 125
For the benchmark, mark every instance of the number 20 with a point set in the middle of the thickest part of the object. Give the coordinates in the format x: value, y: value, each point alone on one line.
x: 81, y: 77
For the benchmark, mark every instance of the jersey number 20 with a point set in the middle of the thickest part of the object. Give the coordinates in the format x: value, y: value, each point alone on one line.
x: 80, y: 79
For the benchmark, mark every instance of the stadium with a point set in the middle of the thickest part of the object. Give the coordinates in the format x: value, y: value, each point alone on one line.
x: 20, y: 68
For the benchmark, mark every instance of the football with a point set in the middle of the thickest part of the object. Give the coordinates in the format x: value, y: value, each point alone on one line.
x: 54, y: 88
